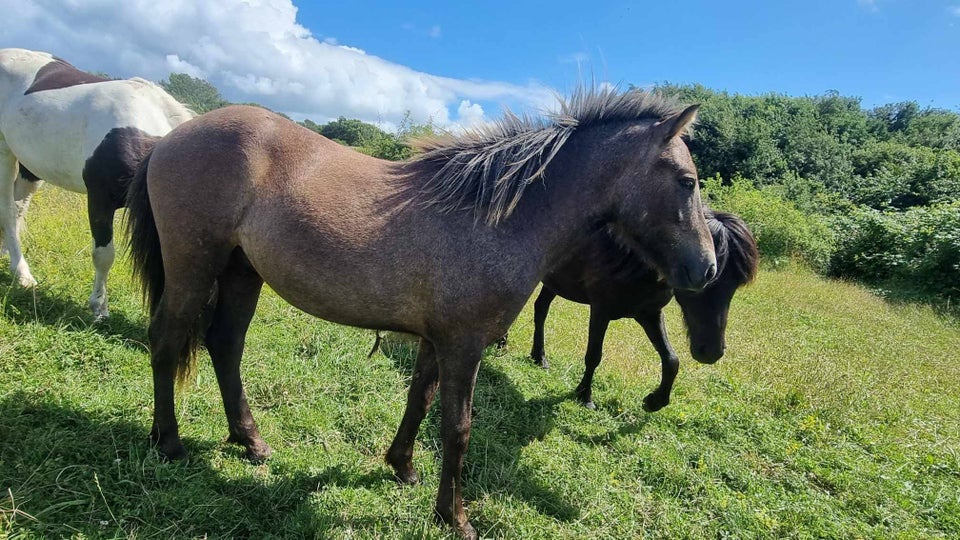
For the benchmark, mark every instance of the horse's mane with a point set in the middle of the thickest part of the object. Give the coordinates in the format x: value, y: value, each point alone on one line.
x: 488, y: 168
x: 734, y: 245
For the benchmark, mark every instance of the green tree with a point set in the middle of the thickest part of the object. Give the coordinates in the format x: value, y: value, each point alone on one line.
x: 197, y: 94
x: 348, y: 131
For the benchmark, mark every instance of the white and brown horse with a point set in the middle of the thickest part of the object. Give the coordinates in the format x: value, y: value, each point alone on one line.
x: 447, y: 246
x: 79, y: 131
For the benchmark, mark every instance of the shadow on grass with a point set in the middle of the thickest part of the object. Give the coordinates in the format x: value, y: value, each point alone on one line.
x: 68, y: 472
x: 899, y: 294
x: 504, y: 423
x: 57, y: 309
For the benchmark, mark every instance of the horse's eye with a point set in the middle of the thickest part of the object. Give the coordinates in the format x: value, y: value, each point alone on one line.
x: 688, y: 182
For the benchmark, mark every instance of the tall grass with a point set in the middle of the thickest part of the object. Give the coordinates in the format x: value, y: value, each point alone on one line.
x: 833, y: 415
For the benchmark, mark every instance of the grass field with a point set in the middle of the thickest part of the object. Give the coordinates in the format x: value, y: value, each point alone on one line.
x: 833, y: 415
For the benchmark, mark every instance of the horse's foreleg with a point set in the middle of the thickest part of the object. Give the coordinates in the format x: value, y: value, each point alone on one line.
x: 423, y: 387
x: 100, y: 211
x: 8, y: 218
x: 239, y: 289
x: 540, y: 309
x: 458, y: 375
x: 653, y: 325
x: 598, y: 330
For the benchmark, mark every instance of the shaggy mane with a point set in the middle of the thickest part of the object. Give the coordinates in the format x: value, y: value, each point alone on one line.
x: 488, y: 168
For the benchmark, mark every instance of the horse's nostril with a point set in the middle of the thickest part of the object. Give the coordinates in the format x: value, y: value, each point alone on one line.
x: 711, y: 271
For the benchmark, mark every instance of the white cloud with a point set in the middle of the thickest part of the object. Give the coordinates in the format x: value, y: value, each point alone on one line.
x: 434, y: 31
x: 176, y: 65
x: 469, y: 114
x: 253, y: 50
x: 954, y: 10
x: 870, y: 5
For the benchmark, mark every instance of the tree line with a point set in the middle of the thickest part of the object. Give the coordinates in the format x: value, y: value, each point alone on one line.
x: 201, y: 97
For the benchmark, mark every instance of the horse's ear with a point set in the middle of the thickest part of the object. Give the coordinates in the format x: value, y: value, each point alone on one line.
x: 676, y: 124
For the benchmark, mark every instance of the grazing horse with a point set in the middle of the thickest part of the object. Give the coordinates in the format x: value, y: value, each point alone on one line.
x: 618, y: 284
x: 79, y: 131
x: 447, y: 246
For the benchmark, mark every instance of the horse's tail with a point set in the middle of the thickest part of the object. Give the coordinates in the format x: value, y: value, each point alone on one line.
x: 144, y: 242
x: 144, y: 245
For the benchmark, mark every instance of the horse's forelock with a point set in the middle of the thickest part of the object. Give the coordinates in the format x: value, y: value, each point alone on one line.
x: 734, y: 245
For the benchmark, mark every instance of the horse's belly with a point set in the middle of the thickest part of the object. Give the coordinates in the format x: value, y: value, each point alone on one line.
x: 50, y: 147
x: 336, y: 289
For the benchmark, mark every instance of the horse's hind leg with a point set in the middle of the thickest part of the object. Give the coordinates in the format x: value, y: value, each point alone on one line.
x: 423, y: 387
x: 8, y: 218
x: 173, y: 329
x: 100, y: 211
x: 23, y: 190
x: 239, y: 288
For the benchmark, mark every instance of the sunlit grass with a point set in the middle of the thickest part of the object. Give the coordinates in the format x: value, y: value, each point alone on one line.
x: 834, y: 414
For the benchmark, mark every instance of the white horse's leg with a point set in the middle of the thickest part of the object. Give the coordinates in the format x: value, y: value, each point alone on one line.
x: 23, y: 191
x: 103, y: 257
x: 8, y: 218
x: 100, y: 212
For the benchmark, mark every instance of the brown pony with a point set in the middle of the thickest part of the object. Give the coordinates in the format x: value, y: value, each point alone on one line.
x: 447, y: 246
x: 617, y: 284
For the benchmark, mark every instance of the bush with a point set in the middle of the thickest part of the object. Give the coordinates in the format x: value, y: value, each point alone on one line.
x: 917, y: 250
x: 781, y: 229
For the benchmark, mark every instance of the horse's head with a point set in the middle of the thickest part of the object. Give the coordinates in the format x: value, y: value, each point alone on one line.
x: 656, y: 197
x: 705, y: 312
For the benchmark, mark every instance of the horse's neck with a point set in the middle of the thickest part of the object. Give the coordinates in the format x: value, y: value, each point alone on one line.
x: 561, y: 212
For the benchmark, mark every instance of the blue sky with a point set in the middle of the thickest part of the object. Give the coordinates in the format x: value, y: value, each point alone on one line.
x: 457, y: 63
x: 882, y: 51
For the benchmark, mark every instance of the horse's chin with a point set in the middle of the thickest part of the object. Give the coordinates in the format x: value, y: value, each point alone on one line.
x: 706, y: 355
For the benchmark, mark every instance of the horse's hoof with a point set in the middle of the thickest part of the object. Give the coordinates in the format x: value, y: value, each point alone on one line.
x: 653, y: 403
x: 541, y: 361
x: 406, y: 475
x: 589, y: 405
x: 171, y: 451
x: 258, y: 455
x: 464, y: 529
x: 27, y: 281
x: 100, y: 310
x: 467, y: 531
x: 257, y: 450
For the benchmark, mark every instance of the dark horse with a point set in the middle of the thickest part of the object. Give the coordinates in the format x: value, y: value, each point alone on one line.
x: 447, y: 246
x: 617, y: 284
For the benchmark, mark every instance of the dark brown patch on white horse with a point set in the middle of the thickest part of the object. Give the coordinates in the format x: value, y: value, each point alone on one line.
x: 116, y: 157
x: 107, y: 175
x: 61, y: 74
x: 27, y: 175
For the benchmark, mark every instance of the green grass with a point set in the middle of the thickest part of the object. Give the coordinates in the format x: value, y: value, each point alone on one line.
x: 833, y: 415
